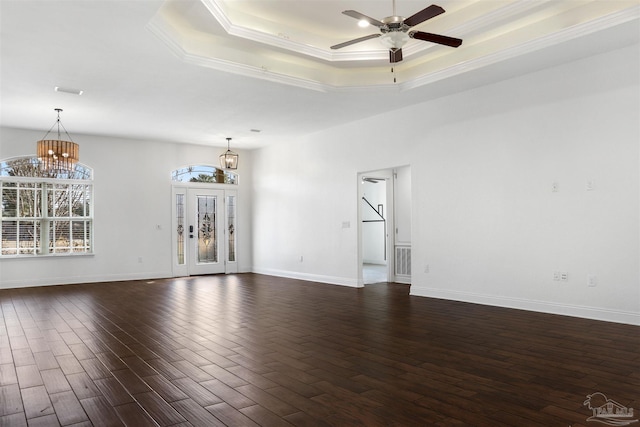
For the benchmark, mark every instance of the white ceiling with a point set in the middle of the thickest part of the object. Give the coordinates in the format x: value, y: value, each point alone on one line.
x: 198, y: 71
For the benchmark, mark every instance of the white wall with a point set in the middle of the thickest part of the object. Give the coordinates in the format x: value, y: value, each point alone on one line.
x: 402, y: 205
x: 132, y: 196
x: 484, y: 218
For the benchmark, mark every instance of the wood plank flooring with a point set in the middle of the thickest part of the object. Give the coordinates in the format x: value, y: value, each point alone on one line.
x: 254, y: 350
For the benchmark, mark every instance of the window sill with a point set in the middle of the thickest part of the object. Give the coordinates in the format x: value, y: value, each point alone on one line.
x: 39, y: 256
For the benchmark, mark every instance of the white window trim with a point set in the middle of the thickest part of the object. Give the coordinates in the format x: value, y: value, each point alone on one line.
x: 44, y: 240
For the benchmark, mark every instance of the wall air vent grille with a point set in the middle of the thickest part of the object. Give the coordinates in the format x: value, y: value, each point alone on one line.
x: 403, y: 260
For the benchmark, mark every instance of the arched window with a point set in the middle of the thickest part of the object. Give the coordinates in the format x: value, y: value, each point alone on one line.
x: 204, y: 173
x: 45, y: 212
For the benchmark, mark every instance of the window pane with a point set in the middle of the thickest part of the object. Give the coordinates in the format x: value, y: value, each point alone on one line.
x: 77, y: 196
x: 59, y: 204
x: 28, y: 237
x: 204, y: 173
x: 9, y: 202
x: 80, y: 240
x: 180, y: 227
x: 87, y: 200
x: 9, y: 237
x: 231, y: 226
x: 28, y: 202
x: 59, y: 236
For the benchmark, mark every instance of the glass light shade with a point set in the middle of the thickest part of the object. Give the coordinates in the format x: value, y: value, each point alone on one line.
x: 229, y: 160
x: 55, y: 154
x: 394, y: 39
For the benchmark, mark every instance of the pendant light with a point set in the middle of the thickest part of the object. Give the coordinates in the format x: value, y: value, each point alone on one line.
x: 57, y: 154
x: 229, y: 160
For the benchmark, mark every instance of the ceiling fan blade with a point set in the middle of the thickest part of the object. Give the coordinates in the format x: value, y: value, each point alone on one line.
x: 395, y: 55
x: 360, y: 16
x: 435, y: 38
x: 423, y: 15
x: 354, y: 41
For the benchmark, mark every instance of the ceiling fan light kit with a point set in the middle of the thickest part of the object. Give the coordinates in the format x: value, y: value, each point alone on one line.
x: 394, y: 31
x: 394, y: 40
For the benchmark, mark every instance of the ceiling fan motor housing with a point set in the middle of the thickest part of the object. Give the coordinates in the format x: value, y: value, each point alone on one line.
x: 394, y: 32
x: 394, y: 23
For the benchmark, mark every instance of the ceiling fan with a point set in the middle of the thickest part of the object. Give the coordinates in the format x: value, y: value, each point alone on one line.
x: 394, y: 31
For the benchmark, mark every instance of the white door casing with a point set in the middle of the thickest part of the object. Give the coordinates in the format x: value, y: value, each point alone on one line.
x: 204, y: 231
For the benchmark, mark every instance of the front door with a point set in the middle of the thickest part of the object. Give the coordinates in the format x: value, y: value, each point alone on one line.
x: 204, y: 220
x: 205, y: 246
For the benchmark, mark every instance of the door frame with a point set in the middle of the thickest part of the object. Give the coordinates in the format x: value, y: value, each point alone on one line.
x: 389, y: 176
x: 184, y: 269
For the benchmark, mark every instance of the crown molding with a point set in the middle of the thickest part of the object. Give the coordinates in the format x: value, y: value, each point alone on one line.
x: 169, y: 36
x: 465, y: 29
x: 165, y: 35
x: 558, y: 37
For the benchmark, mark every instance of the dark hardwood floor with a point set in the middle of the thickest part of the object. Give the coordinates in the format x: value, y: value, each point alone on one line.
x: 253, y: 350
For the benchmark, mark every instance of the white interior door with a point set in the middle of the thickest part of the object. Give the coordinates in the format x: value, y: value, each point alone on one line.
x: 205, y: 244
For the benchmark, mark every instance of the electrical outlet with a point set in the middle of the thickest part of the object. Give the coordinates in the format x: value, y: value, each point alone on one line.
x: 560, y: 276
x: 426, y: 268
x: 592, y: 280
x: 555, y: 186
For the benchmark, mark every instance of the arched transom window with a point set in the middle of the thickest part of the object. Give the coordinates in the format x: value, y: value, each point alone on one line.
x: 204, y: 173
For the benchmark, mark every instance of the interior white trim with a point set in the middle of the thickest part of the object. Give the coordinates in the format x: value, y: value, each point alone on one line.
x: 228, y: 66
x: 617, y: 316
x: 332, y: 280
x: 172, y: 41
x: 71, y: 280
x: 524, y: 48
x: 461, y: 30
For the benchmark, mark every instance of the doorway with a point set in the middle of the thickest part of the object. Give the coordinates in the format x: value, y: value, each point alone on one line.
x: 384, y: 213
x: 376, y: 219
x: 204, y: 220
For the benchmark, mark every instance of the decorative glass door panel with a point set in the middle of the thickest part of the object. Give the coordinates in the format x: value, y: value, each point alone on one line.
x: 231, y: 258
x: 206, y: 246
x: 204, y: 239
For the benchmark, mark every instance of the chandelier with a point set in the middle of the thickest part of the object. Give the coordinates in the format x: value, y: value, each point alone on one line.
x: 57, y: 154
x: 229, y: 160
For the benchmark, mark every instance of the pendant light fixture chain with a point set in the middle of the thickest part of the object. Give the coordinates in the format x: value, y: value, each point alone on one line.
x: 58, y: 123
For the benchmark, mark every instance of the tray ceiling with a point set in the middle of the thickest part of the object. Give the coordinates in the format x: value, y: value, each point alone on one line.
x: 198, y: 71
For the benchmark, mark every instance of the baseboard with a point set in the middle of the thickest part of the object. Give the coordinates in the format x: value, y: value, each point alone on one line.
x: 405, y: 280
x: 69, y: 280
x: 595, y: 313
x: 333, y: 280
